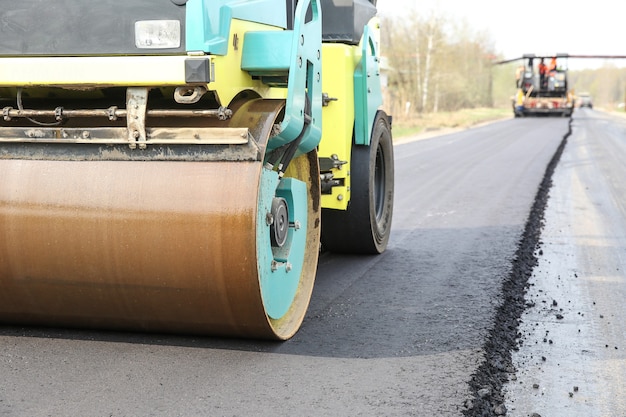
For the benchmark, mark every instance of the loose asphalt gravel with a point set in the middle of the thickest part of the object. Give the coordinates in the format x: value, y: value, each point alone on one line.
x: 488, y: 381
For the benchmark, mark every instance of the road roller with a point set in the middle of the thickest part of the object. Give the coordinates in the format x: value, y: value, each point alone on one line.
x: 178, y: 166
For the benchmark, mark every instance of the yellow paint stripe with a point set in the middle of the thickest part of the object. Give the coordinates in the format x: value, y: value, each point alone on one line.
x: 93, y: 71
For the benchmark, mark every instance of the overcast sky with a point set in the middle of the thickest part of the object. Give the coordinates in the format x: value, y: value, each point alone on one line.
x: 535, y: 26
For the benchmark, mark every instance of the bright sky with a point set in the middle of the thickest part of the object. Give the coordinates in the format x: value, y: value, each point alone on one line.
x: 583, y: 27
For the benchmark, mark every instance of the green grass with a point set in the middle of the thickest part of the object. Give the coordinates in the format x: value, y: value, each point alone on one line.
x: 429, y: 122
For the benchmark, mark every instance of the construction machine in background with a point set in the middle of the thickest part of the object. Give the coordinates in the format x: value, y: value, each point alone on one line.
x: 541, y: 93
x: 175, y: 165
x: 584, y: 100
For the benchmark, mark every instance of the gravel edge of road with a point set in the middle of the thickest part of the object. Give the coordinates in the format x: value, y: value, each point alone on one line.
x: 488, y: 380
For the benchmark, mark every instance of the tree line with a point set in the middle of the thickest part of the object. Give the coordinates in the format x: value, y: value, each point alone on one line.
x: 435, y: 64
x: 606, y: 85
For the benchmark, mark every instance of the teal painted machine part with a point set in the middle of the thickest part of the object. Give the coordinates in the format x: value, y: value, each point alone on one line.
x: 208, y: 21
x: 297, y: 54
x: 305, y: 80
x: 268, y: 54
x: 294, y: 53
x: 368, y: 95
x: 280, y: 268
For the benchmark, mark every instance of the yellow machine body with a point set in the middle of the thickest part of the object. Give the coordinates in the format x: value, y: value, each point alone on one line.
x: 337, y: 134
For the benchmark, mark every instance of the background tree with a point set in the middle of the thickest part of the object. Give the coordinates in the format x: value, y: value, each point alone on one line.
x: 436, y: 65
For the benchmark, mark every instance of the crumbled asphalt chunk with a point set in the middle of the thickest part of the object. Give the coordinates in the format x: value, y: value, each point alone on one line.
x: 502, y: 338
x: 500, y: 410
x: 484, y: 392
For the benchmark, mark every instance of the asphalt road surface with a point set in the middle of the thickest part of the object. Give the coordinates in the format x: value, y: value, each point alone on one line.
x: 405, y: 333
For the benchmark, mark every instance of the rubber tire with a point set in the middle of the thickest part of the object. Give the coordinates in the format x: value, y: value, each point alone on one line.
x: 364, y: 228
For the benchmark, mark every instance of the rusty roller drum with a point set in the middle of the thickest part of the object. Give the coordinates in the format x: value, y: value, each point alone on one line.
x: 168, y: 246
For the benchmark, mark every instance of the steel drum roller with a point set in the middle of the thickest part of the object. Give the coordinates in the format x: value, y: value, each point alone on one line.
x: 146, y: 245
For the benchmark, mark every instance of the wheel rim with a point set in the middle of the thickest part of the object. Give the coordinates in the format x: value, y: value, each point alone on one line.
x: 379, y: 184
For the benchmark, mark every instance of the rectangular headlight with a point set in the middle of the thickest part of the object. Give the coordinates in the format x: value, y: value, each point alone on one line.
x: 157, y: 34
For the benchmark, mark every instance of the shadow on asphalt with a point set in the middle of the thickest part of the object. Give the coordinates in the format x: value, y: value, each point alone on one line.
x: 437, y: 296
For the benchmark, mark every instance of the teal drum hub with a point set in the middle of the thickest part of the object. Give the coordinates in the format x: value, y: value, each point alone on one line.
x: 281, y: 240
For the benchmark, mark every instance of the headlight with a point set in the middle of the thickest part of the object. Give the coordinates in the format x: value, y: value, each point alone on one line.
x: 157, y: 34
